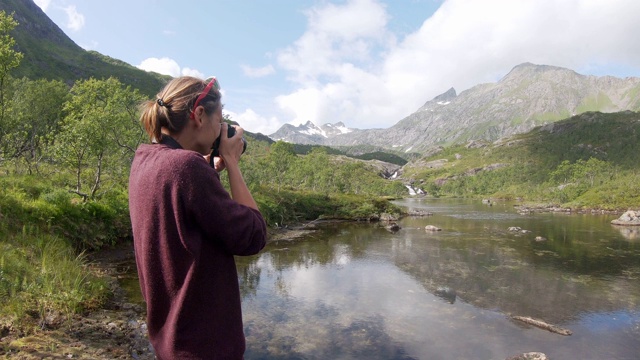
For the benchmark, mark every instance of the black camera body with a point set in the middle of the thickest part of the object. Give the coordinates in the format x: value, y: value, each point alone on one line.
x: 216, y: 144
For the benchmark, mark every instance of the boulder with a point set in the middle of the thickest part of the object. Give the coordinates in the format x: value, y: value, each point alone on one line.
x: 419, y: 213
x: 447, y: 294
x: 629, y: 218
x: 432, y: 228
x: 392, y: 227
x: 529, y: 356
x: 540, y: 238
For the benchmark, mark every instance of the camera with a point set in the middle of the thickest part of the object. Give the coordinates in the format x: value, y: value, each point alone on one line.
x: 230, y: 132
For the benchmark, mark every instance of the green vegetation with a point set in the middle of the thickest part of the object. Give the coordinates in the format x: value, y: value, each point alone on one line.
x: 601, y: 101
x: 65, y: 154
x: 302, y: 149
x: 66, y: 145
x: 53, y: 56
x: 43, y: 281
x: 591, y: 160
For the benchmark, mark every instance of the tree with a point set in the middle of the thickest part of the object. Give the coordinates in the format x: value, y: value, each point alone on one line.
x: 593, y: 168
x: 563, y: 173
x: 99, y: 133
x: 280, y: 159
x: 313, y: 171
x: 9, y: 59
x: 34, y: 113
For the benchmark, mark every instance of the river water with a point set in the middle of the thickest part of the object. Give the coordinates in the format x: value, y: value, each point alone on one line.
x: 358, y: 291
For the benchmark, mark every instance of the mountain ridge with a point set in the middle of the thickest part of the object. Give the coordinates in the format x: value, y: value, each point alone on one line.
x: 50, y: 54
x: 527, y: 96
x: 310, y: 133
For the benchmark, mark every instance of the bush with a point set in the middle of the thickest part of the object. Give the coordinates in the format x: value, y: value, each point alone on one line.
x: 281, y: 207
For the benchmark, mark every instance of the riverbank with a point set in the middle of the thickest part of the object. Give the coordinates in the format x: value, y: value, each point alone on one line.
x: 116, y: 331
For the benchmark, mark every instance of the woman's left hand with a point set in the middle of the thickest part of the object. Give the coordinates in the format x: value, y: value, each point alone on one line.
x: 218, y: 164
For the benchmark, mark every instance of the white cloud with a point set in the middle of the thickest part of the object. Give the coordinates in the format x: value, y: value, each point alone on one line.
x: 348, y: 67
x: 164, y: 66
x: 336, y: 34
x: 303, y: 105
x: 257, y: 72
x: 75, y: 20
x: 169, y: 67
x: 43, y: 4
x: 192, y: 72
x: 255, y: 123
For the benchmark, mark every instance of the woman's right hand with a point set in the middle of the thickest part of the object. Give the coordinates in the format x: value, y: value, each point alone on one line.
x: 231, y: 148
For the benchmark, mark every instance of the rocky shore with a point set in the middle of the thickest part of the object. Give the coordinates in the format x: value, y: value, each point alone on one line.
x: 528, y: 209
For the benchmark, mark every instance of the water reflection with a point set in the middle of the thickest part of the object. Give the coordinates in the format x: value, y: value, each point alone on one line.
x: 357, y: 291
x: 629, y: 232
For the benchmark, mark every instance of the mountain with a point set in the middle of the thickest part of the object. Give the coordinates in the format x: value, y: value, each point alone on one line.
x: 528, y: 96
x: 310, y: 133
x: 590, y: 160
x: 50, y: 54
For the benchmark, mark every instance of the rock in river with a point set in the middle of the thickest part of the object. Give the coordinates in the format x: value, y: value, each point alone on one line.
x: 629, y: 218
x: 432, y: 228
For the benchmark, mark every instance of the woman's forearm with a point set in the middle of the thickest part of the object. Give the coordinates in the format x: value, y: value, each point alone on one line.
x: 239, y: 190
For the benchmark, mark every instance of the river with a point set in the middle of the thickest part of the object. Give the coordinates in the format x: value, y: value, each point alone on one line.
x: 358, y: 291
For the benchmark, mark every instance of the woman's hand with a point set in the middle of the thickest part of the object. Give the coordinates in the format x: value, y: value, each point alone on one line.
x: 230, y: 147
x: 230, y: 151
x: 218, y: 164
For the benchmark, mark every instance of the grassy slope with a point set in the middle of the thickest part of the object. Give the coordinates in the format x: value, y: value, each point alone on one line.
x: 50, y: 54
x: 524, y: 165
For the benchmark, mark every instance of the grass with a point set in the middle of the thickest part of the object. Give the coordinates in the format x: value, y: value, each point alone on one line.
x: 43, y: 281
x: 285, y: 206
x: 44, y: 231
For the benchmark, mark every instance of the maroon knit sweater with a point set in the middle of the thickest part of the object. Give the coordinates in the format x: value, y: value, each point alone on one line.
x: 186, y: 230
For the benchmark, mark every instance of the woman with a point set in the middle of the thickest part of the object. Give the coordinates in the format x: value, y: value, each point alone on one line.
x: 186, y: 227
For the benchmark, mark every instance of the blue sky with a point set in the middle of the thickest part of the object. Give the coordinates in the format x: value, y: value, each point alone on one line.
x: 367, y: 63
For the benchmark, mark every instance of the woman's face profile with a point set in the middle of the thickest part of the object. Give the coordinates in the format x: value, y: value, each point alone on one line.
x: 211, y: 128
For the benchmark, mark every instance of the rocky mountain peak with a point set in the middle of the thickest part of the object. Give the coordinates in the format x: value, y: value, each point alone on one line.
x: 446, y: 96
x: 442, y: 99
x: 310, y: 133
x: 528, y: 96
x: 531, y: 71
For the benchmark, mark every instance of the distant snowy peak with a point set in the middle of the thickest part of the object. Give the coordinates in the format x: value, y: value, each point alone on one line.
x: 310, y: 133
x: 335, y: 129
x: 441, y: 100
x: 311, y: 129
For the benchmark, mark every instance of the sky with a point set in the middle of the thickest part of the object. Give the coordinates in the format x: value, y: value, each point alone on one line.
x: 366, y: 63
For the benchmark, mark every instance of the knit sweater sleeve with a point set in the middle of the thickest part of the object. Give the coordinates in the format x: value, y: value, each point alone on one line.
x: 239, y: 229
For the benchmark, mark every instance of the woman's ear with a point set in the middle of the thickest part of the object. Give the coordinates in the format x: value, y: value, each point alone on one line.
x: 198, y: 115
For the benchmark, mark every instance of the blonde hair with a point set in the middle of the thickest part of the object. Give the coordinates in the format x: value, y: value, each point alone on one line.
x: 174, y: 104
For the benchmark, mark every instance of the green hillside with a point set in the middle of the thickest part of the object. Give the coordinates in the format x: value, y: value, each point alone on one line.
x: 50, y: 54
x: 589, y: 160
